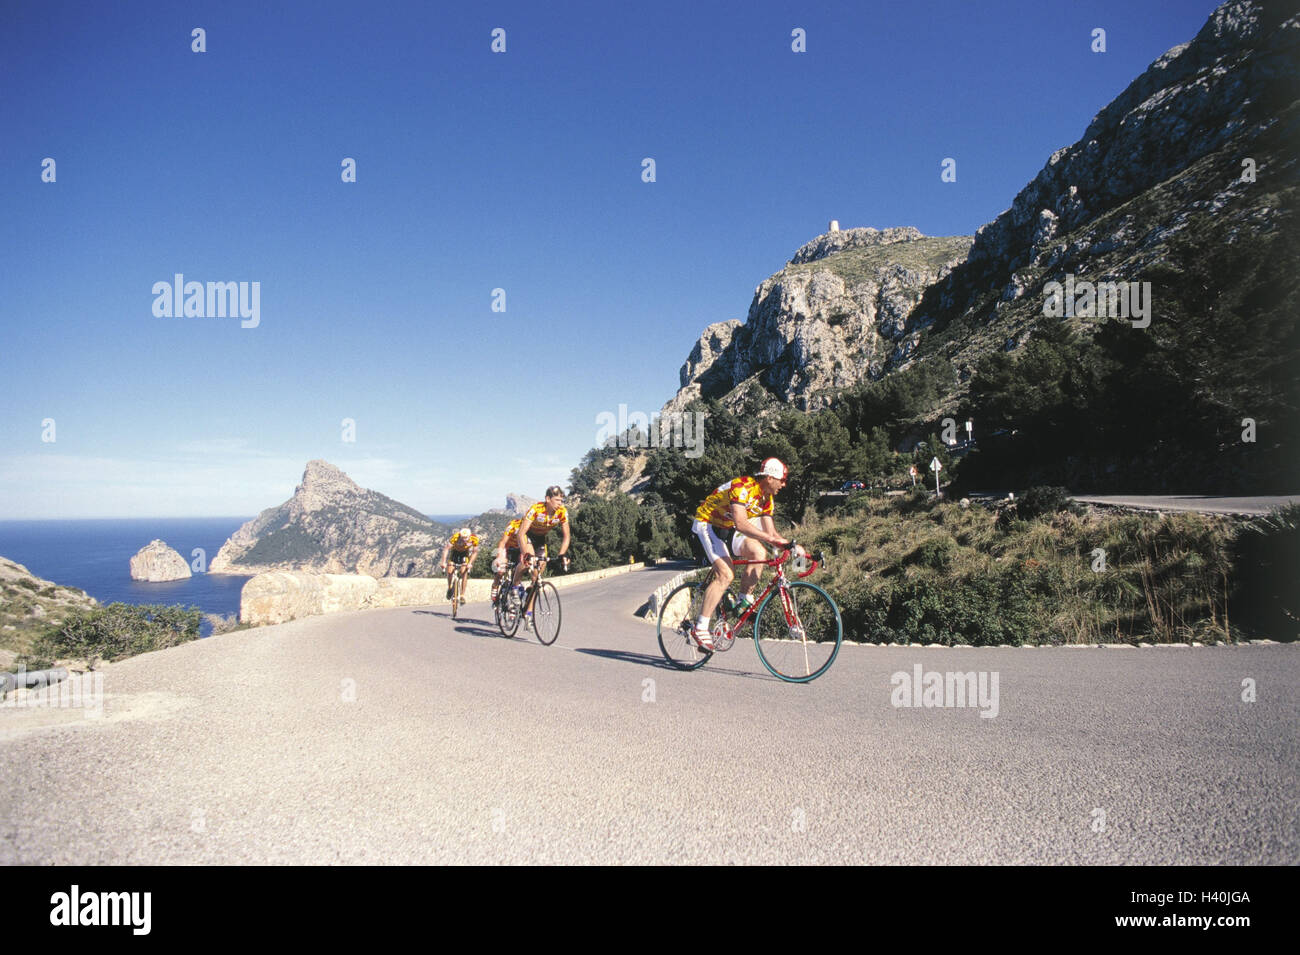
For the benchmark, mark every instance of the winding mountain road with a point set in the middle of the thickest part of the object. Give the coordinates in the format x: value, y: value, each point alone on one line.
x: 401, y: 736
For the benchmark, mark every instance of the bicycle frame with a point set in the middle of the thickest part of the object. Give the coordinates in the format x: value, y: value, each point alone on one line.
x: 778, y: 581
x: 536, y: 565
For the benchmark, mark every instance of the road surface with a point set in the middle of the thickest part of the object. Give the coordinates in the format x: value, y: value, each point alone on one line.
x: 401, y: 736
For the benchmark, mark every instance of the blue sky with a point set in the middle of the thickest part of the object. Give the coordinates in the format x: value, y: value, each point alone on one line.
x: 475, y: 171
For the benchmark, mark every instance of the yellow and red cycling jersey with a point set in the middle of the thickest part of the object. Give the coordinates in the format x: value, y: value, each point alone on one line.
x: 507, y: 539
x: 539, y: 522
x: 462, y: 545
x: 745, y: 491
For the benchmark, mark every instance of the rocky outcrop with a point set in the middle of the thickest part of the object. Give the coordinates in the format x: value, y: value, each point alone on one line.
x: 331, y: 525
x: 832, y: 242
x: 834, y: 315
x: 156, y: 562
x: 29, y: 604
x: 516, y: 504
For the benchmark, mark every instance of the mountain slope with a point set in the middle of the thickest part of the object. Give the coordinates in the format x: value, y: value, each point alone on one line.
x: 332, y: 525
x: 1185, y: 185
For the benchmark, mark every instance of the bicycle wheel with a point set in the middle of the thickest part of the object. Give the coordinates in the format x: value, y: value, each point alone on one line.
x: 507, y: 610
x: 455, y: 595
x: 546, y: 613
x: 677, y: 614
x: 801, y: 645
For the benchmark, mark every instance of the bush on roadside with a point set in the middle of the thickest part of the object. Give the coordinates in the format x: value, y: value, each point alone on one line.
x: 1042, y: 501
x: 113, y: 633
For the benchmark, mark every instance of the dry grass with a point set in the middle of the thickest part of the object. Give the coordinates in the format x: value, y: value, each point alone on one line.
x: 904, y: 572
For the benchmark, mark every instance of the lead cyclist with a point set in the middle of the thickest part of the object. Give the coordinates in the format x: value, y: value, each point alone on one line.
x: 743, y: 506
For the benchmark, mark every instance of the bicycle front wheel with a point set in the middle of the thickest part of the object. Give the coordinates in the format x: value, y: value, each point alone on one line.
x: 546, y: 613
x: 798, y: 632
x: 455, y: 596
x: 677, y: 615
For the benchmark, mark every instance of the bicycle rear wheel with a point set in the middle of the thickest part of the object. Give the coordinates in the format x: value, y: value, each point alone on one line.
x: 507, y: 609
x: 800, y: 643
x: 677, y: 615
x: 546, y: 613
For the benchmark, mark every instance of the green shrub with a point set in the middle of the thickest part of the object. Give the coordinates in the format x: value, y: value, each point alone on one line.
x: 114, y: 633
x: 1040, y: 501
x: 978, y: 610
x: 936, y: 553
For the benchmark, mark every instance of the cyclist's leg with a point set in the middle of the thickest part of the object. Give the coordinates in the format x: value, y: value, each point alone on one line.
x: 715, y: 552
x: 746, y: 548
x: 525, y: 552
x: 499, y: 567
x: 453, y: 568
x: 539, y: 563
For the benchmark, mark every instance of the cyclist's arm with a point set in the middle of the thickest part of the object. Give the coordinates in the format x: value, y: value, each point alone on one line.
x: 769, y: 525
x: 446, y: 549
x: 764, y: 531
x: 564, y: 544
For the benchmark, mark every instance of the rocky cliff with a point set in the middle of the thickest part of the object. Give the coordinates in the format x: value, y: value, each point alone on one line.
x: 516, y: 504
x: 1195, y: 156
x: 331, y: 525
x: 1187, y: 180
x: 156, y: 562
x: 29, y: 604
x: 835, y: 314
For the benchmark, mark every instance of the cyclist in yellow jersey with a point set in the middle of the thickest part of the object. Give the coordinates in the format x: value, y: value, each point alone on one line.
x: 462, y: 548
x: 507, y: 554
x: 742, y: 507
x: 540, y: 520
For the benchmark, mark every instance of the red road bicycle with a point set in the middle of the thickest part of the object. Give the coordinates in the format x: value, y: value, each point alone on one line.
x: 797, y: 628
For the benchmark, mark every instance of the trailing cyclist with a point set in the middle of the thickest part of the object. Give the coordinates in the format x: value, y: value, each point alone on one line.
x: 462, y: 548
x: 743, y: 508
x: 507, y: 555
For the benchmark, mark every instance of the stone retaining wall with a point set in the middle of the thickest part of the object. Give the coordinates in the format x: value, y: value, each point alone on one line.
x: 279, y: 596
x: 657, y: 598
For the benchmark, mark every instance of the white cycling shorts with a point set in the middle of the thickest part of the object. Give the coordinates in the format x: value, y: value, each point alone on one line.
x: 714, y: 548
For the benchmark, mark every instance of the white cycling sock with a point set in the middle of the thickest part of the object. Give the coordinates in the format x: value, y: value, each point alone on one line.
x: 702, y: 623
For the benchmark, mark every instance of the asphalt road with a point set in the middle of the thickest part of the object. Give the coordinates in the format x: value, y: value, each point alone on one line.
x: 401, y: 736
x: 1202, y: 503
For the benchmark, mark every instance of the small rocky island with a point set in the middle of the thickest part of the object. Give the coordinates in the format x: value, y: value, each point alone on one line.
x: 156, y: 562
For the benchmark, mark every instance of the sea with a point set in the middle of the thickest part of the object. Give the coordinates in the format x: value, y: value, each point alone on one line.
x: 95, y: 555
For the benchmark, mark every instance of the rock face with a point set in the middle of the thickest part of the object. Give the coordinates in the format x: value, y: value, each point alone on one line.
x: 29, y: 604
x: 1159, y: 178
x: 156, y: 562
x: 835, y: 314
x: 516, y: 504
x: 333, y: 526
x: 1163, y: 177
